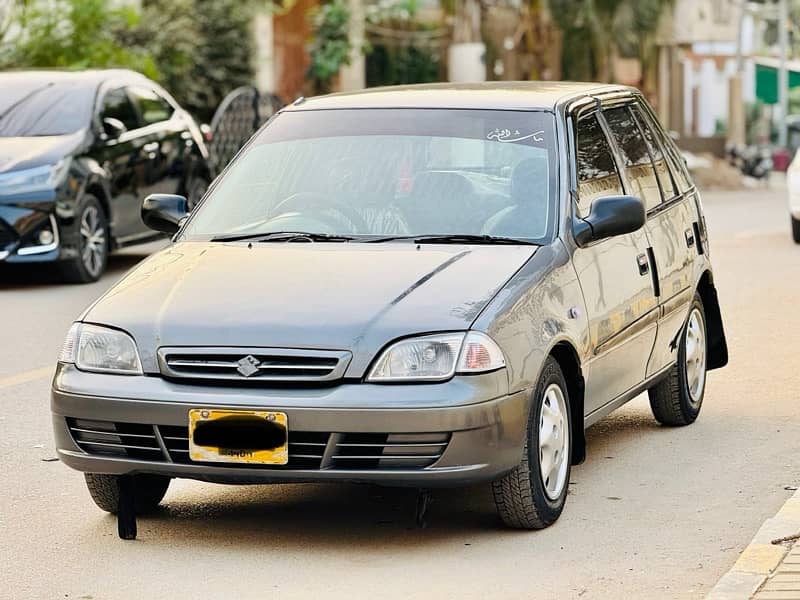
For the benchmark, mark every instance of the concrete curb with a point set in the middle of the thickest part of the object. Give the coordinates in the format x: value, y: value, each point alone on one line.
x: 760, y: 558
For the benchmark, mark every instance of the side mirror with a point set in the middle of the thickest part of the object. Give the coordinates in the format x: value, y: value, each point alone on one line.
x: 113, y: 128
x: 164, y: 212
x: 610, y: 216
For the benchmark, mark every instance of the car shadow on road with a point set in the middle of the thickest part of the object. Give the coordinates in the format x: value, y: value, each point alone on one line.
x: 329, y: 516
x: 37, y: 276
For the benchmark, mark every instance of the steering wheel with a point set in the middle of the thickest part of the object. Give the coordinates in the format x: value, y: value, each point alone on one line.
x: 305, y: 200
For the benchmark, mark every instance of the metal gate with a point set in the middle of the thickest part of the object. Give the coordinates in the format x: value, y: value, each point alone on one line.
x: 237, y: 118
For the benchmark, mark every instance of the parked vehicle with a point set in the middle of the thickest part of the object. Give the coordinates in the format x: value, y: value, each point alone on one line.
x: 425, y: 286
x: 753, y: 161
x: 78, y: 153
x: 793, y: 185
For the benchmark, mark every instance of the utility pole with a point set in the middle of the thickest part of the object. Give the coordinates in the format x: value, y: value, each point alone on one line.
x: 736, y: 119
x: 783, y: 73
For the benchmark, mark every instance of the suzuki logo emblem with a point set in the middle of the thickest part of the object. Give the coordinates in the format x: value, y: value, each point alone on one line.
x: 248, y: 365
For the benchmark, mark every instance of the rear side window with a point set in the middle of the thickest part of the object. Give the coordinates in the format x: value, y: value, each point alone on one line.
x: 639, y: 171
x: 152, y: 107
x: 117, y: 105
x: 676, y: 162
x: 659, y: 161
x: 597, y: 173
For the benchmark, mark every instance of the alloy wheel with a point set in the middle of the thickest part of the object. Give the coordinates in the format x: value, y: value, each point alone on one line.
x: 93, y: 240
x: 553, y: 441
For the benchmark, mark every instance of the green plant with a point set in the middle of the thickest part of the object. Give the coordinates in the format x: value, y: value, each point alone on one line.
x: 330, y: 46
x: 203, y: 48
x: 594, y: 30
x: 74, y: 34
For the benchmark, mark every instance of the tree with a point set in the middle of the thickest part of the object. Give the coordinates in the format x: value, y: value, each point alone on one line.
x: 203, y: 48
x: 72, y: 34
x: 594, y: 30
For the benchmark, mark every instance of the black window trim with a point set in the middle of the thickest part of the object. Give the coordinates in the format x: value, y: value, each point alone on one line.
x: 679, y: 195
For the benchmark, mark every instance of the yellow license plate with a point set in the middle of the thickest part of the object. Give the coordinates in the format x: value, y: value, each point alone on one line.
x: 238, y: 436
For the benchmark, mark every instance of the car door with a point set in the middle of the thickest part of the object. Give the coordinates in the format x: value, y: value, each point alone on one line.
x: 119, y: 156
x: 167, y: 149
x: 621, y: 306
x: 669, y: 225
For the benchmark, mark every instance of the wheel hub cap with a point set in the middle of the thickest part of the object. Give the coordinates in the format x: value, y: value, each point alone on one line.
x: 553, y: 441
x: 93, y: 240
x: 695, y: 352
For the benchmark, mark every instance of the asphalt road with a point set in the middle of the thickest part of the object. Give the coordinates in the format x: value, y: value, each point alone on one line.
x: 653, y: 513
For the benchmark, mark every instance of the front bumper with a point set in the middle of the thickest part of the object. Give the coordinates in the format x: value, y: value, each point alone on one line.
x: 484, y: 427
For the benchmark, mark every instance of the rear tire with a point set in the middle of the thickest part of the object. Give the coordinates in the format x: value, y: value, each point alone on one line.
x: 796, y: 230
x: 90, y: 263
x: 526, y: 498
x: 149, y: 491
x: 677, y: 399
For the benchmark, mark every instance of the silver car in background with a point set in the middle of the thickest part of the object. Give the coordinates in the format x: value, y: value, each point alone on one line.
x: 425, y: 286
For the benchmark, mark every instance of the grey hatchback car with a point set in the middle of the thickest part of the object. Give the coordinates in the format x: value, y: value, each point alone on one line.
x: 422, y: 286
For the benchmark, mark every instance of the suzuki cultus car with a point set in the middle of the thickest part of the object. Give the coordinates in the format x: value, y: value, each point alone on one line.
x: 424, y: 286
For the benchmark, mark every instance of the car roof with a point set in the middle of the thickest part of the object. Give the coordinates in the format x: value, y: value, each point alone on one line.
x: 498, y: 95
x: 87, y: 77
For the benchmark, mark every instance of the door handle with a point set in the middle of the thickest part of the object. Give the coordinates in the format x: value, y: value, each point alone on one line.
x: 689, y: 235
x: 644, y: 264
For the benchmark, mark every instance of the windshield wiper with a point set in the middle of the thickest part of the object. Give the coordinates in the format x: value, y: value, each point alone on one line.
x: 456, y: 238
x: 283, y: 236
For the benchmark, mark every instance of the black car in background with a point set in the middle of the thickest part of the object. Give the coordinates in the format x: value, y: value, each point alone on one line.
x: 78, y: 153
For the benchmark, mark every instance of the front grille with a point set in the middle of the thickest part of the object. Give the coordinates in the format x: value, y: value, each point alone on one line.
x: 279, y: 365
x: 308, y: 450
x: 305, y: 448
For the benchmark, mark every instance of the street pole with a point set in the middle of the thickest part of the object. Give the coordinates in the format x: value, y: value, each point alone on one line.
x: 783, y: 74
x: 736, y: 118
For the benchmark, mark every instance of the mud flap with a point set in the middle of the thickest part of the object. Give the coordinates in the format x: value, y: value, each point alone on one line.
x: 126, y: 511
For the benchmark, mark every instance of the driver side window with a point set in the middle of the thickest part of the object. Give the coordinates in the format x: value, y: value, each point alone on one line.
x: 597, y: 173
x: 117, y: 105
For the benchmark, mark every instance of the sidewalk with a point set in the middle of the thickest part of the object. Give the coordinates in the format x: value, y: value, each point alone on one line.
x: 767, y: 571
x: 784, y: 583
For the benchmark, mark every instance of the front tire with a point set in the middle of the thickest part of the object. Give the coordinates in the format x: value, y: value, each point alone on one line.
x: 532, y: 496
x: 149, y: 490
x: 90, y: 263
x: 796, y: 230
x: 677, y: 399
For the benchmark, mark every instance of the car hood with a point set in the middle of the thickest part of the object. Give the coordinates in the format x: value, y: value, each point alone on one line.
x: 334, y: 296
x: 18, y: 153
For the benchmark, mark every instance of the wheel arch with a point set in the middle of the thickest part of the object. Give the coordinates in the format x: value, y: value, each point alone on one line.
x: 565, y: 354
x: 717, y: 344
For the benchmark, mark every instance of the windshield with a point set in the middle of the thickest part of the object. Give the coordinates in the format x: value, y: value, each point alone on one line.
x: 390, y: 173
x: 44, y: 108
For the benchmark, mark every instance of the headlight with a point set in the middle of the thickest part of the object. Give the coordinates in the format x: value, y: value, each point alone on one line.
x: 46, y: 177
x: 437, y: 357
x: 101, y: 350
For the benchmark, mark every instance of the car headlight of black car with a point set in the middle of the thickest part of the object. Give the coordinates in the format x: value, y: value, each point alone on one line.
x: 35, y: 179
x: 100, y: 350
x: 437, y: 358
